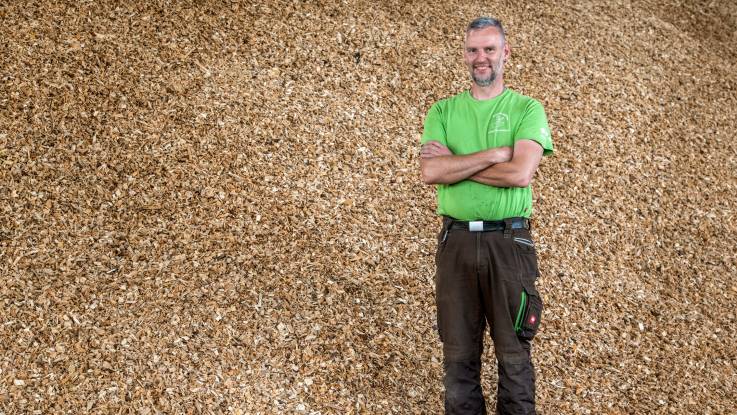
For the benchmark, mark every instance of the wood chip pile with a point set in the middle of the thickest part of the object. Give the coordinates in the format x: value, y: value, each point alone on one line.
x: 216, y: 207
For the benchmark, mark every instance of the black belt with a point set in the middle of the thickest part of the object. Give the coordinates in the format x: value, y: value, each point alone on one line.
x: 490, y: 226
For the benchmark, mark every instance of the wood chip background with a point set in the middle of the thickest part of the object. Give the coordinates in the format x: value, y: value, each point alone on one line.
x: 215, y: 207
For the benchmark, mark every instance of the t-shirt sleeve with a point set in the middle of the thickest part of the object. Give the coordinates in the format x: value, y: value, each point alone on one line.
x: 434, y: 129
x: 534, y: 126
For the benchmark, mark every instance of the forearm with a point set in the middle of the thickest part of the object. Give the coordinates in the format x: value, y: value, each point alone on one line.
x: 449, y: 169
x: 502, y: 175
x: 517, y: 172
x: 452, y: 169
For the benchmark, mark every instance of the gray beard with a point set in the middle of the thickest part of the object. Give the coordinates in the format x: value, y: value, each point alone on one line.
x: 492, y: 76
x: 484, y: 82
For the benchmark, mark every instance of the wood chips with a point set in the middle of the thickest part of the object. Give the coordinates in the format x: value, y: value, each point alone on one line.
x: 215, y: 207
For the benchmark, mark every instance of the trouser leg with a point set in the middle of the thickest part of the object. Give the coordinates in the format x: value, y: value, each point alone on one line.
x: 516, y: 385
x: 461, y: 324
x: 516, y: 388
x: 512, y: 270
x: 463, y: 394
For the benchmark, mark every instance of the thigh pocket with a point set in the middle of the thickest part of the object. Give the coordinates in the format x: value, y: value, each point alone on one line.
x: 529, y: 313
x: 526, y: 254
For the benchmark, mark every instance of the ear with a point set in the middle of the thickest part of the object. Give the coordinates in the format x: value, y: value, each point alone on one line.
x: 507, y: 51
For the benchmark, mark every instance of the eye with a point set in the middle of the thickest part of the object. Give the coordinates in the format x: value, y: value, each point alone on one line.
x: 489, y: 50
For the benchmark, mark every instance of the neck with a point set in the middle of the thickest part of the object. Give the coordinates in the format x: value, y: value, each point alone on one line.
x: 487, y: 92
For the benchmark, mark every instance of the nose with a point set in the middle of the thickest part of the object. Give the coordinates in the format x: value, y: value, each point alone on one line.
x: 481, y: 55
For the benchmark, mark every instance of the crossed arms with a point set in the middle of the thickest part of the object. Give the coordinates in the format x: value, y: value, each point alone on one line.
x: 499, y: 166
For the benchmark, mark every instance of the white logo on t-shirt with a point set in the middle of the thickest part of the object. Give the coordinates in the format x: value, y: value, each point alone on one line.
x: 499, y: 123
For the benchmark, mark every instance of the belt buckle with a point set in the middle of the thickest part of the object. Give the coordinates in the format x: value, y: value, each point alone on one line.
x: 476, y: 226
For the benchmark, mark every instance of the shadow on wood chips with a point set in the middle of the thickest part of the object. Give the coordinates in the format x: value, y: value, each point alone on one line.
x: 216, y: 208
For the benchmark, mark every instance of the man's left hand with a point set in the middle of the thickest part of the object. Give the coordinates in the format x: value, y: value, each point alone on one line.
x: 434, y: 149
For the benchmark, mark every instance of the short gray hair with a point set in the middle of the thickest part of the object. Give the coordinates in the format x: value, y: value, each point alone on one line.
x: 484, y: 22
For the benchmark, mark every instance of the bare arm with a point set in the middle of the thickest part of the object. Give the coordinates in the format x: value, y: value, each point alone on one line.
x: 518, y: 171
x: 440, y: 166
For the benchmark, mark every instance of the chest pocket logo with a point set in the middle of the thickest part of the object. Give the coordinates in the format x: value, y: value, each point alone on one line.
x: 499, y: 123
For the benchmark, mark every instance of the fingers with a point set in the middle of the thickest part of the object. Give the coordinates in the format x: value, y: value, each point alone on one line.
x: 434, y: 149
x: 427, y: 152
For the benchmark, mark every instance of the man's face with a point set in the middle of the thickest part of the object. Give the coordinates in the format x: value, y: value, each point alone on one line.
x: 484, y: 55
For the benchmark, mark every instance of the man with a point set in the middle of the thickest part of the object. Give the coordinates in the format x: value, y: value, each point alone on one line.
x: 481, y: 148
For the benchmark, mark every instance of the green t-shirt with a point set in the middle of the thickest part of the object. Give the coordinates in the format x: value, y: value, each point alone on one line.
x: 466, y: 125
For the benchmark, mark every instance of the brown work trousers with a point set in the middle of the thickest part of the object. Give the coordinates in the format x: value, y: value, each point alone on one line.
x: 487, y: 277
